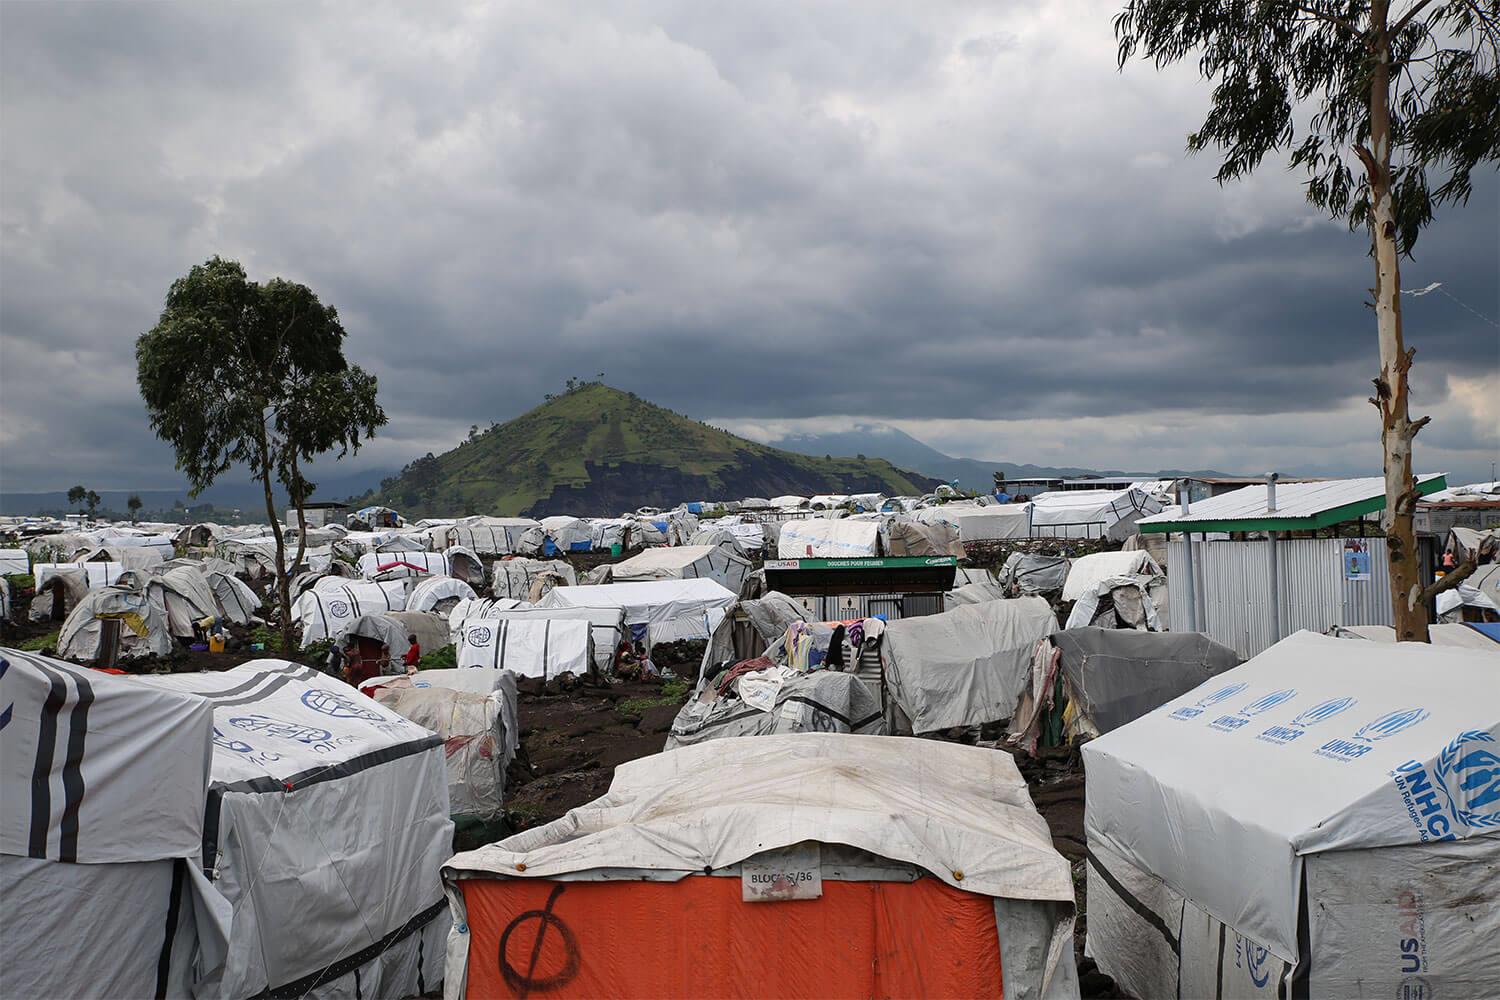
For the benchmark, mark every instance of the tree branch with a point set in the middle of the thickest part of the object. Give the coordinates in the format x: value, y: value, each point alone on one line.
x: 1330, y: 18
x: 1405, y: 19
x: 1460, y: 573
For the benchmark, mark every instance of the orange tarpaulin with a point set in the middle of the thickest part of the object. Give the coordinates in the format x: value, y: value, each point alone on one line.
x: 695, y: 938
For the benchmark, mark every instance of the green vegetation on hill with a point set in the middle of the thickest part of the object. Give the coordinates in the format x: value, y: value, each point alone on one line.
x: 598, y: 451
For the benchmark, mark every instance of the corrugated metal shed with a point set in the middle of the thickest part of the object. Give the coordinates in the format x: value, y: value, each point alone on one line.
x: 1299, y: 506
x: 1316, y: 594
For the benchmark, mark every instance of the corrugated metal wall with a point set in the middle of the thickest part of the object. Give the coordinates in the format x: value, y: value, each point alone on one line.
x: 1235, y: 584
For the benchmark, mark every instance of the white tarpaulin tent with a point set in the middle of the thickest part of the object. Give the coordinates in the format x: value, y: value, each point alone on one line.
x: 324, y: 829
x: 685, y: 562
x: 104, y: 782
x: 827, y: 538
x: 439, y: 594
x: 966, y: 666
x: 547, y: 648
x: 143, y: 625
x: 1090, y: 513
x: 964, y: 818
x: 606, y: 625
x: 1327, y: 814
x: 976, y: 523
x: 670, y: 609
x: 530, y: 579
x: 99, y: 574
x: 184, y: 594
x: 14, y: 562
x: 491, y: 536
x: 334, y: 602
x: 568, y: 534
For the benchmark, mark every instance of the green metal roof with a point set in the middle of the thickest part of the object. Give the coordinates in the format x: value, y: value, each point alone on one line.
x: 1313, y: 520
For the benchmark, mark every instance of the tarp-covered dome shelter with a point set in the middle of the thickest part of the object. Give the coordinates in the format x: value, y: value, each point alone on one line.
x: 1117, y: 590
x: 1322, y: 821
x: 567, y: 534
x: 438, y: 594
x: 1034, y: 573
x: 430, y: 629
x: 143, y: 625
x: 722, y: 564
x: 58, y: 593
x: 776, y: 866
x: 298, y: 755
x: 104, y: 782
x: 186, y: 597
x: 963, y: 667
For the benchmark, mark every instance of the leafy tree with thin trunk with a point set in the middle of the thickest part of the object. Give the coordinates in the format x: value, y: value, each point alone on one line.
x: 1389, y: 106
x: 135, y: 505
x: 241, y: 373
x: 91, y: 500
x: 76, y: 496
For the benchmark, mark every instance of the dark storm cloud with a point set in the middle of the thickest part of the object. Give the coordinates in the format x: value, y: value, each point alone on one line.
x: 752, y: 213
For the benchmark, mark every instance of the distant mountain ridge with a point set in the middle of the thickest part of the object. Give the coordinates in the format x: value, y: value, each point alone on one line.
x: 900, y: 448
x: 597, y: 451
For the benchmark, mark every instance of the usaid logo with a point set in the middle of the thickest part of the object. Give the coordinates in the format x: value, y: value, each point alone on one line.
x: 1229, y: 723
x: 1282, y: 735
x: 1208, y: 701
x: 267, y: 726
x: 1366, y: 736
x: 480, y: 636
x: 338, y: 705
x: 339, y: 609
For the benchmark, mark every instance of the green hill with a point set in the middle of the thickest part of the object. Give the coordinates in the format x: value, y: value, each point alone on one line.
x: 597, y: 451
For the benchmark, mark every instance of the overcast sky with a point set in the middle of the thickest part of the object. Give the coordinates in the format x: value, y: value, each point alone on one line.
x: 958, y: 219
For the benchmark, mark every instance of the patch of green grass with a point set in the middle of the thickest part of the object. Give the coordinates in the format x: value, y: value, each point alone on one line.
x: 440, y: 659
x: 20, y: 581
x: 676, y: 690
x: 41, y: 642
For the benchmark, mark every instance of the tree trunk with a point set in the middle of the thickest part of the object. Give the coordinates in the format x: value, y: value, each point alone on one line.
x: 298, y: 499
x: 1409, y: 612
x: 283, y: 585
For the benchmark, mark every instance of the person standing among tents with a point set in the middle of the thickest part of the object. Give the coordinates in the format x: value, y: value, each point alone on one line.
x: 413, y: 655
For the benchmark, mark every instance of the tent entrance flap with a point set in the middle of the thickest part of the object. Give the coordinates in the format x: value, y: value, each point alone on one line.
x: 696, y: 937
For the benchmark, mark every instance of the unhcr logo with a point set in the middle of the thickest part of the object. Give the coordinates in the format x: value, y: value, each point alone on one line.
x: 1208, y: 701
x: 1366, y: 736
x: 1229, y: 723
x: 1292, y: 731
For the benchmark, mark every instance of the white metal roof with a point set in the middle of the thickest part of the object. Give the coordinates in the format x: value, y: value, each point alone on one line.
x: 1293, y: 500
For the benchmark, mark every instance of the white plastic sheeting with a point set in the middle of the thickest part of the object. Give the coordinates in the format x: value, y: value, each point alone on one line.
x: 1090, y: 513
x: 671, y: 609
x: 186, y: 597
x: 546, y: 648
x: 99, y: 574
x: 1319, y: 755
x: 568, y: 534
x: 827, y: 538
x: 685, y: 562
x: 14, y: 562
x: 491, y: 536
x: 298, y: 755
x: 385, y: 564
x: 965, y: 818
x: 975, y: 523
x: 530, y: 579
x: 965, y: 666
x: 1087, y: 572
x: 143, y: 625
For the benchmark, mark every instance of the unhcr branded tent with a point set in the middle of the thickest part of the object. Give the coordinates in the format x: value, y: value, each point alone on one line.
x: 104, y: 782
x: 664, y: 609
x: 334, y: 602
x: 1322, y: 821
x: 544, y: 648
x: 963, y: 667
x: 686, y: 562
x: 439, y: 594
x: 323, y: 831
x: 776, y: 866
x: 606, y: 625
x: 388, y: 564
